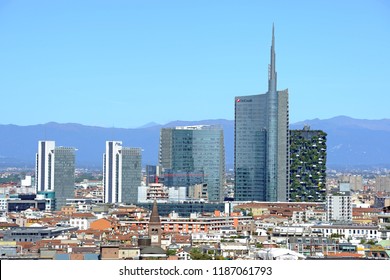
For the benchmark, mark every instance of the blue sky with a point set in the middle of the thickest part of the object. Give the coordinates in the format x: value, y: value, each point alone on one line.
x: 126, y: 63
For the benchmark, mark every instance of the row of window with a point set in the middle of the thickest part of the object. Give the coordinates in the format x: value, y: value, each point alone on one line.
x: 351, y: 231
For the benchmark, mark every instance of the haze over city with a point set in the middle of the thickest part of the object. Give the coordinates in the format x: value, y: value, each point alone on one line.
x: 128, y: 63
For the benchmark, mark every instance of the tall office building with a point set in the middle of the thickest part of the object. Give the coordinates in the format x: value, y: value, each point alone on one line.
x: 195, y: 151
x: 54, y: 172
x: 261, y: 146
x: 152, y: 174
x: 122, y: 174
x: 308, y: 165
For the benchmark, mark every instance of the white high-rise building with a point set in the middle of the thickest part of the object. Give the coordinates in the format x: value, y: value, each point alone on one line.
x: 339, y: 207
x: 44, y: 166
x: 54, y: 172
x: 122, y: 174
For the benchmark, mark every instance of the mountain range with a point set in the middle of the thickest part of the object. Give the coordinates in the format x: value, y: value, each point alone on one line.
x: 351, y: 142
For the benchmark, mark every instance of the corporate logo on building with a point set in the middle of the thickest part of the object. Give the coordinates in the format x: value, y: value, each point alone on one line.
x: 240, y: 100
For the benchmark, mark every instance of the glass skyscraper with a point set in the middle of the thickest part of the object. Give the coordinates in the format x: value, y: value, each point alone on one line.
x: 122, y: 173
x: 195, y: 151
x: 64, y: 175
x: 55, y: 168
x: 261, y: 146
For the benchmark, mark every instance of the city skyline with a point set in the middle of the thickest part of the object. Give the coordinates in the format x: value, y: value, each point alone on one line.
x: 81, y: 59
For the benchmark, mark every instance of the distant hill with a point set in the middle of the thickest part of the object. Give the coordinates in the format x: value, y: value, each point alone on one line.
x: 351, y: 142
x: 354, y: 142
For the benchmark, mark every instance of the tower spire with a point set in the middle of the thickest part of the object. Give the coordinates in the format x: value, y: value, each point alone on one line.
x: 272, y: 69
x: 154, y: 217
x: 273, y: 35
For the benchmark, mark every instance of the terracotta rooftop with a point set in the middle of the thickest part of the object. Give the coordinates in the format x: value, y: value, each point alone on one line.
x: 366, y: 210
x: 8, y: 225
x: 25, y: 245
x: 51, y: 220
x: 177, y: 238
x: 344, y: 255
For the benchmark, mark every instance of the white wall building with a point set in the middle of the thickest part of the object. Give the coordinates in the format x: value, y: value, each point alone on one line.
x: 234, y: 249
x: 3, y: 202
x: 176, y: 194
x: 142, y: 194
x: 339, y: 207
x: 206, y: 238
x: 26, y: 182
x: 182, y: 254
x: 308, y: 215
x: 44, y: 166
x: 82, y: 220
x: 350, y: 231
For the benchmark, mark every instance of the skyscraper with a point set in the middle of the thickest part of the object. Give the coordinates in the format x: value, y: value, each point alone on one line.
x: 308, y: 165
x: 44, y: 167
x: 195, y: 151
x: 54, y: 172
x: 261, y: 146
x: 122, y: 173
x: 152, y: 174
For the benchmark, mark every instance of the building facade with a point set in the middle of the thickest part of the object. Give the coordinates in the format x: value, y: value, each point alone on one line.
x: 191, y: 153
x: 339, y: 207
x: 307, y: 165
x: 154, y: 227
x: 152, y: 172
x: 261, y: 146
x: 55, y: 171
x: 355, y: 181
x: 122, y: 174
x: 382, y: 184
x: 64, y: 175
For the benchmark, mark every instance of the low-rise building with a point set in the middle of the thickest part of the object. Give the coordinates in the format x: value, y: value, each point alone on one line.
x: 33, y: 234
x: 82, y: 220
x: 234, y: 249
x: 366, y: 232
